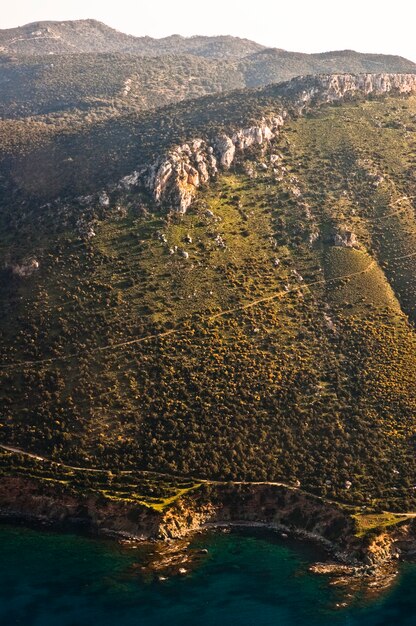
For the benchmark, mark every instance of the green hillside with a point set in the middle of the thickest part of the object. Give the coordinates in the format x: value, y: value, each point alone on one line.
x: 39, y: 85
x: 271, y: 66
x: 237, y: 341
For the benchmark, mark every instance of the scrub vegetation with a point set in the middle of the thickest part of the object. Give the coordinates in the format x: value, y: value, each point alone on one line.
x: 280, y: 347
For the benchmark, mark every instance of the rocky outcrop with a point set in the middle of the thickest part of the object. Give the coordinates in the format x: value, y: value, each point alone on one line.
x: 226, y: 149
x: 25, y: 268
x: 31, y: 501
x: 339, y: 85
x: 305, y: 91
x: 209, y: 505
x: 175, y: 179
x: 271, y: 506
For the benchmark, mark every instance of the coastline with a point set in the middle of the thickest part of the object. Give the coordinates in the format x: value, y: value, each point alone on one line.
x: 367, y: 562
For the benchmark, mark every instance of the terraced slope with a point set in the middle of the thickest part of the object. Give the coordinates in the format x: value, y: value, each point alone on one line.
x: 267, y: 334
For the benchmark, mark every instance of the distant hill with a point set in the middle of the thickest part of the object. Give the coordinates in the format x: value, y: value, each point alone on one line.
x: 272, y: 65
x: 74, y: 37
x: 34, y: 85
x: 38, y: 85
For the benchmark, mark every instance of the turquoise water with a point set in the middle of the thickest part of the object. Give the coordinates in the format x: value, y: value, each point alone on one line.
x: 49, y: 579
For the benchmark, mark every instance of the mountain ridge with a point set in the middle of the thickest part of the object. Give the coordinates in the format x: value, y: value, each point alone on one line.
x: 61, y: 68
x: 76, y: 36
x: 238, y: 47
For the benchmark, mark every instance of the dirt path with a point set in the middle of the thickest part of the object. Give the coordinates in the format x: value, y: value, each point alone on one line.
x: 27, y: 364
x: 24, y: 364
x: 173, y: 331
x: 286, y: 292
x: 409, y: 515
x: 392, y: 204
x: 95, y: 470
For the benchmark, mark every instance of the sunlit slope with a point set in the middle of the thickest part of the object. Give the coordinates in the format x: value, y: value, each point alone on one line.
x: 236, y: 341
x: 359, y: 166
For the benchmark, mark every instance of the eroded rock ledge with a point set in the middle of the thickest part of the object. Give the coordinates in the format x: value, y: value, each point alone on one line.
x: 176, y: 176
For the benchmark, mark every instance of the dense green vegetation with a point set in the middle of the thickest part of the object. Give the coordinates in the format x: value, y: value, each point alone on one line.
x: 46, y: 157
x: 268, y: 353
x: 106, y: 83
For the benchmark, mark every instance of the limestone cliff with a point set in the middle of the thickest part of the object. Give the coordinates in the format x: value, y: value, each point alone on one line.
x: 176, y: 176
x: 209, y: 505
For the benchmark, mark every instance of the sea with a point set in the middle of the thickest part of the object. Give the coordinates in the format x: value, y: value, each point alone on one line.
x: 245, y: 579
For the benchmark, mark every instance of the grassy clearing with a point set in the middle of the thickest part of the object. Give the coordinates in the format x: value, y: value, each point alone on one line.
x: 371, y: 522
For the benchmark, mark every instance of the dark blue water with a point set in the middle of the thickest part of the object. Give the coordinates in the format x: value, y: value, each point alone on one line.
x: 49, y: 579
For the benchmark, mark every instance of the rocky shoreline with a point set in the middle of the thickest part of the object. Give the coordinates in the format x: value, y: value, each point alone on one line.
x: 369, y: 562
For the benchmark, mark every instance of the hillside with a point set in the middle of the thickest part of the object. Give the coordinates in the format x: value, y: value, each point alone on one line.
x: 40, y: 85
x: 275, y: 66
x: 70, y: 68
x: 258, y: 326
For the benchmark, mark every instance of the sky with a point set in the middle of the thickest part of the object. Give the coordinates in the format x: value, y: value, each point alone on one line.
x: 380, y: 26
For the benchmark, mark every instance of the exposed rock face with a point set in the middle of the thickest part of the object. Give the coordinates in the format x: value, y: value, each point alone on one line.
x: 317, y: 90
x: 210, y: 505
x: 258, y: 505
x: 30, y: 501
x: 341, y: 84
x: 103, y: 199
x: 263, y: 133
x: 175, y: 178
x: 174, y: 181
x: 226, y: 150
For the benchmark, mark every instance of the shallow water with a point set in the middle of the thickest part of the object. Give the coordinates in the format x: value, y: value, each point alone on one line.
x: 49, y: 579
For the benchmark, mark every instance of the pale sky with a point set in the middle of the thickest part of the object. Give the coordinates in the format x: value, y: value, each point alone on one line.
x: 302, y: 25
